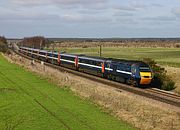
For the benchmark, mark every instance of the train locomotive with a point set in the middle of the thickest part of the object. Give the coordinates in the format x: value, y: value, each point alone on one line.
x: 132, y: 72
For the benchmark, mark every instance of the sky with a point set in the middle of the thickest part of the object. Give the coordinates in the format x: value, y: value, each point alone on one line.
x: 90, y: 18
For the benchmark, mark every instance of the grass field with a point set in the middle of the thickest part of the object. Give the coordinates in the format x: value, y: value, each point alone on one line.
x: 30, y: 102
x: 164, y: 56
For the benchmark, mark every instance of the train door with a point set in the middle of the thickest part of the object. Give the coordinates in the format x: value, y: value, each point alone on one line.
x: 59, y: 58
x: 114, y: 73
x: 76, y: 62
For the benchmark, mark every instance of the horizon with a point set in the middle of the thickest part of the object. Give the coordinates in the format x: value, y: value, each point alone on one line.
x: 96, y: 38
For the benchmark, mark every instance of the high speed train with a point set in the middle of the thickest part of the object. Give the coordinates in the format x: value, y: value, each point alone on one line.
x: 132, y: 72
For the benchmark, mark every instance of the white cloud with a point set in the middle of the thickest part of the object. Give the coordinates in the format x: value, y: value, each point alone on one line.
x: 126, y: 21
x: 124, y: 7
x: 25, y: 17
x: 84, y: 18
x: 156, y: 5
x: 176, y: 11
x: 132, y: 6
x: 138, y: 5
x: 161, y: 18
x: 123, y: 14
x: 57, y: 2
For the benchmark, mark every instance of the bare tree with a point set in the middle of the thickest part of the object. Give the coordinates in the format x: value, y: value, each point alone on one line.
x: 37, y: 42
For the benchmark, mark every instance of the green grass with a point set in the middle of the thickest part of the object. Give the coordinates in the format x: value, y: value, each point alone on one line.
x: 163, y: 56
x: 28, y: 102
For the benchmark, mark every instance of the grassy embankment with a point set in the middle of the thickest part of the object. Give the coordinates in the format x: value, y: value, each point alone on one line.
x: 31, y: 102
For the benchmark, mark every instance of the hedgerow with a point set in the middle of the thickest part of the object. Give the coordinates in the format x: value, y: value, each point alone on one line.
x: 160, y: 78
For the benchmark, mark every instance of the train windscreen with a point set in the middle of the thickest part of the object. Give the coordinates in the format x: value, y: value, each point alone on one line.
x: 144, y: 69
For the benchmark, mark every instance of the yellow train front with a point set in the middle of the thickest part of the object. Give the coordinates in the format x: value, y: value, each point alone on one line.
x: 141, y: 74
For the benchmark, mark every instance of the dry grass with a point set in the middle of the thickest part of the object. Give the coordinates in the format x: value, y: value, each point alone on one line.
x: 69, y: 44
x: 175, y: 75
x: 143, y: 113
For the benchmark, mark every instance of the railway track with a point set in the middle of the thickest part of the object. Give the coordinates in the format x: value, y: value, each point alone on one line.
x: 155, y: 94
x: 165, y: 94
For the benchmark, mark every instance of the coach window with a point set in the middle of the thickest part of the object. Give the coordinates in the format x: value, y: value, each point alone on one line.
x: 122, y: 67
x: 128, y: 68
x: 56, y: 55
x: 83, y: 61
x: 90, y: 62
x: 119, y: 67
x: 86, y: 61
x: 62, y: 57
x: 97, y: 63
x: 109, y: 65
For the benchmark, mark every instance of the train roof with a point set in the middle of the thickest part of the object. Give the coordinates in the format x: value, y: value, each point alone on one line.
x: 25, y: 47
x: 112, y: 60
x: 124, y: 61
x: 70, y: 55
x: 96, y: 58
x: 29, y: 48
x: 42, y: 51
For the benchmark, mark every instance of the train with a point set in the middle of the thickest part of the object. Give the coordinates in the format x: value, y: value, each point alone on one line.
x: 136, y: 73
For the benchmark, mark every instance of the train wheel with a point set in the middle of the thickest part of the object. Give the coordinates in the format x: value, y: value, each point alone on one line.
x: 135, y: 84
x: 109, y: 76
x: 128, y: 81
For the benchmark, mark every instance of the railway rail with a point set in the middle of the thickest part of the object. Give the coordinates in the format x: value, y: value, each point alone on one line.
x: 155, y: 94
x: 164, y: 93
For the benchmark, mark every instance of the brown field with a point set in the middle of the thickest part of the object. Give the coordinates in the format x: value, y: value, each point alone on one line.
x: 135, y: 44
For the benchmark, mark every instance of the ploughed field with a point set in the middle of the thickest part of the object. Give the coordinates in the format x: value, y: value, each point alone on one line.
x: 163, y: 56
x: 28, y: 101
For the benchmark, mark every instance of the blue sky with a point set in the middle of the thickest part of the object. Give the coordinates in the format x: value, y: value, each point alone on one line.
x: 90, y: 18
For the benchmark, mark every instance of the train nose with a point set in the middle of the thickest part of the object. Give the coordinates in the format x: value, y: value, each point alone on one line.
x: 146, y: 77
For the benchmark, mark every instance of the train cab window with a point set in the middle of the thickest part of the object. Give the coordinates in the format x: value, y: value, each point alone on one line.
x: 128, y: 68
x: 144, y: 69
x: 133, y: 69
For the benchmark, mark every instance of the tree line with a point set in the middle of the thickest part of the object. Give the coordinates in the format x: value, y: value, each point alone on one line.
x: 3, y: 44
x: 37, y: 42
